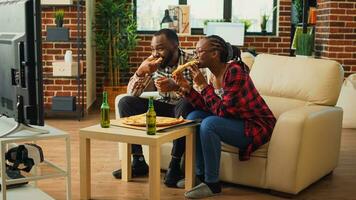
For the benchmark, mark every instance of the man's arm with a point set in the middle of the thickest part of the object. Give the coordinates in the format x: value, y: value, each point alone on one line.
x: 143, y: 76
x: 137, y: 84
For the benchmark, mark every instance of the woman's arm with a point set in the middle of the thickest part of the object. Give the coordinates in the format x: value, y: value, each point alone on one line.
x: 190, y: 93
x: 227, y: 106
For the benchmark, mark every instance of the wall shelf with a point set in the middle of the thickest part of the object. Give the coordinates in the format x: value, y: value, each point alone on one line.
x: 60, y: 34
x: 56, y: 2
x: 71, y: 40
x: 79, y: 41
x: 50, y: 76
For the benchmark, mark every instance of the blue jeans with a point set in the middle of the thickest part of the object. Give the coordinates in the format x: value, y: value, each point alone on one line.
x: 212, y: 131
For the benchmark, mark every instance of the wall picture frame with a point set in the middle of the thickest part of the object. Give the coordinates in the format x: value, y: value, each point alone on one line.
x: 180, y: 15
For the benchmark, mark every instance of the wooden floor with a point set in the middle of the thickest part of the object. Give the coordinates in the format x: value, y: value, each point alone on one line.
x: 340, y: 185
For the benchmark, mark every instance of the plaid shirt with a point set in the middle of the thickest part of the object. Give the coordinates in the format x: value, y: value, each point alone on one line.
x: 239, y: 100
x: 139, y: 84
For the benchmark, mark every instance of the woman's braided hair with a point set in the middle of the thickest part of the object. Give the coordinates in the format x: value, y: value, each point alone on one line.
x: 227, y: 52
x: 219, y: 44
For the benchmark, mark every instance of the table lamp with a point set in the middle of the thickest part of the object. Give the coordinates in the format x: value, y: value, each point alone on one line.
x: 166, y: 20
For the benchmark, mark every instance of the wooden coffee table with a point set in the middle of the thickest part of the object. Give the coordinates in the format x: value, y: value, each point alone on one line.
x: 131, y: 136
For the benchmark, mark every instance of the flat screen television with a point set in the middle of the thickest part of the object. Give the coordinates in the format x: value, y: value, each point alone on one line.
x: 21, y: 90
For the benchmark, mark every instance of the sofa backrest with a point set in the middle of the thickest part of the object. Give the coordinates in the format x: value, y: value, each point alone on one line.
x: 294, y: 81
x: 248, y: 59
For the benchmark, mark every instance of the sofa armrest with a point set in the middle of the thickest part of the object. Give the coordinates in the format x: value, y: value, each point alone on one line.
x: 304, y: 147
x: 143, y: 95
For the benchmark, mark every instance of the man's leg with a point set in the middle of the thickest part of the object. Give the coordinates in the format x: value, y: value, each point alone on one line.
x: 128, y: 106
x: 131, y: 105
x: 174, y: 172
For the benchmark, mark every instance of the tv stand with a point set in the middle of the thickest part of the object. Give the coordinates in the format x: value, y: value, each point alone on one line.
x: 20, y: 130
x: 44, y: 170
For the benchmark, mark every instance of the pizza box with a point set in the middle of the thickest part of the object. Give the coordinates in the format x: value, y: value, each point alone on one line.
x: 120, y: 123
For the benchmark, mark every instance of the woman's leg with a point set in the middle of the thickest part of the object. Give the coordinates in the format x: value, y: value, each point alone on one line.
x: 199, y: 165
x: 213, y: 131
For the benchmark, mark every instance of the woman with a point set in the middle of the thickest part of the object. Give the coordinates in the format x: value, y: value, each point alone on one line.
x: 231, y: 110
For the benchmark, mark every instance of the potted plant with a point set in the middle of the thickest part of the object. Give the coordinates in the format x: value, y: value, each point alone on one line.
x: 247, y: 23
x: 58, y: 33
x: 59, y: 16
x: 115, y: 29
x: 305, y: 36
x: 304, y: 42
x: 264, y: 20
x: 211, y: 20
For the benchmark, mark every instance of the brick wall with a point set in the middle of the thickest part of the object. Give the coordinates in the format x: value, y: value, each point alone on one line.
x: 54, y: 51
x: 336, y: 32
x: 335, y: 39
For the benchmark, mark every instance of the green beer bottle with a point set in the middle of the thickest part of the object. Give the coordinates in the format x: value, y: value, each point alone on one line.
x: 105, y: 112
x: 151, y: 118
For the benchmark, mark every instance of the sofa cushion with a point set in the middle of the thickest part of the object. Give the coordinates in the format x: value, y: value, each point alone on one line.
x: 315, y: 81
x: 279, y: 105
x: 260, y: 152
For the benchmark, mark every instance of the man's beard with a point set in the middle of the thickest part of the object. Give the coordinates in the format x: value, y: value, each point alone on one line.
x: 166, y: 60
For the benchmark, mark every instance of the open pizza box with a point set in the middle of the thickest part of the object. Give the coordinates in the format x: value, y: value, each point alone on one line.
x: 162, y: 123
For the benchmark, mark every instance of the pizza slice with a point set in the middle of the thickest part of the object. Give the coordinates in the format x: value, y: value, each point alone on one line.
x: 140, y: 120
x: 181, y: 68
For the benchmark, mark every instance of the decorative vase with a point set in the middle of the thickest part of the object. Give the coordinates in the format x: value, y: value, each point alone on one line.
x: 305, y: 44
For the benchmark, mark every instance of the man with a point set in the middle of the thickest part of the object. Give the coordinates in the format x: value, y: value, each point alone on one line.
x: 155, y: 73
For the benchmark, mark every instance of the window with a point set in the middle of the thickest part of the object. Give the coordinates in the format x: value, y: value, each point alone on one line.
x: 242, y: 10
x: 201, y: 10
x: 149, y: 13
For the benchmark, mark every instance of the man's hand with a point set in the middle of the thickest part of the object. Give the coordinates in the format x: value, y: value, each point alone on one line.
x: 183, y: 84
x: 148, y: 66
x: 165, y: 84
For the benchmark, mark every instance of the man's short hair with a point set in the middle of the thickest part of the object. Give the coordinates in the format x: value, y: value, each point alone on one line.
x: 170, y: 34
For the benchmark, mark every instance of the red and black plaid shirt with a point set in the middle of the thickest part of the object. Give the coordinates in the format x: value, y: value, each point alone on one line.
x: 240, y: 100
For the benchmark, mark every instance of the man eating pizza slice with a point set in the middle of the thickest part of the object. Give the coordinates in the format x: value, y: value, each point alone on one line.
x: 155, y: 74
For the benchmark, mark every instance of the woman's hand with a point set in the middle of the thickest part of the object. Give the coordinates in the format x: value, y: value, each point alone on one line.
x: 184, y: 87
x: 198, y: 77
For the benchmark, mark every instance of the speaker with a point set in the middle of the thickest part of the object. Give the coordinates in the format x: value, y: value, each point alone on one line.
x: 63, y: 103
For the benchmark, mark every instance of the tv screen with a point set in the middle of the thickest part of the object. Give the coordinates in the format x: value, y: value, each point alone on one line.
x: 21, y: 91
